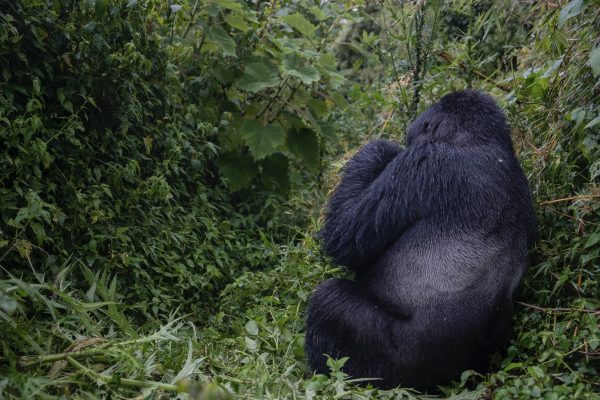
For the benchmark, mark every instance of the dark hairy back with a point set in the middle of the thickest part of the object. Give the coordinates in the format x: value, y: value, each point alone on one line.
x: 437, y: 234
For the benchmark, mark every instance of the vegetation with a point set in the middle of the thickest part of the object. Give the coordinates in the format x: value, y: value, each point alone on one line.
x: 163, y: 166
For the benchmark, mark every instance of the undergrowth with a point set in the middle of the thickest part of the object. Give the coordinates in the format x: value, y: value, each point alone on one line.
x: 136, y: 260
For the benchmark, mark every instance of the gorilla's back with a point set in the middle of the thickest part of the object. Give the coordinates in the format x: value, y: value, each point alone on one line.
x: 437, y: 234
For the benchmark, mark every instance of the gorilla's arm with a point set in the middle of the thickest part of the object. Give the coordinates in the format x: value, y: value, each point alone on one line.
x: 372, y: 204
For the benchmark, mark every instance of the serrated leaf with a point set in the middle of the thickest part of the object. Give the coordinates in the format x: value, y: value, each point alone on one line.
x: 304, y: 143
x: 317, y: 12
x: 262, y: 140
x: 258, y: 77
x: 251, y: 328
x: 572, y: 9
x: 300, y: 23
x: 239, y: 170
x: 218, y: 36
x: 307, y: 74
x: 292, y: 66
x: 237, y: 22
x: 595, y: 60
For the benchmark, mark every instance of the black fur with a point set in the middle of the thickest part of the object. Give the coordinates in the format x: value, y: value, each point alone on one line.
x: 437, y: 235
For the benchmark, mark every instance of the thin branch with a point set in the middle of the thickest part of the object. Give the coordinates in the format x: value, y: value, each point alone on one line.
x: 387, y: 38
x: 123, y: 381
x: 192, y: 15
x: 559, y: 309
x: 272, y: 98
x: 582, y: 197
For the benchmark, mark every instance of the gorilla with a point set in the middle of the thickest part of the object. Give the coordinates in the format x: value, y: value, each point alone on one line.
x: 437, y: 235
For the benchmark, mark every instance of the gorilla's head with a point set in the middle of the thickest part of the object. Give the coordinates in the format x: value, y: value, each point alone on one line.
x: 463, y: 118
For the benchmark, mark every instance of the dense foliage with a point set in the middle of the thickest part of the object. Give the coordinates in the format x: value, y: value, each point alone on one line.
x: 163, y: 164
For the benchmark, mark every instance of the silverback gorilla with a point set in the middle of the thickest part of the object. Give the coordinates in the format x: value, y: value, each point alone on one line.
x: 437, y: 235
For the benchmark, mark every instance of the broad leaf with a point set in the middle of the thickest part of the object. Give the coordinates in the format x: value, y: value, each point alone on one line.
x: 237, y: 22
x: 299, y: 23
x: 258, y: 77
x: 262, y: 140
x: 292, y: 67
x: 275, y: 172
x: 317, y: 12
x: 304, y: 143
x: 239, y: 170
x: 218, y: 36
x: 573, y: 9
x: 252, y: 328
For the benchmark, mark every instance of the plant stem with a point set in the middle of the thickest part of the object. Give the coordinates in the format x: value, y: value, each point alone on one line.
x: 123, y: 381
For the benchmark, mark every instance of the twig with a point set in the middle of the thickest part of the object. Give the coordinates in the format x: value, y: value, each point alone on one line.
x: 192, y: 15
x: 284, y: 103
x: 123, y: 381
x: 271, y: 99
x: 387, y: 38
x: 582, y: 197
x: 558, y: 309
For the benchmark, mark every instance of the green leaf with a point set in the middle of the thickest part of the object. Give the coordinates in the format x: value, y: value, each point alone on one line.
x: 595, y: 61
x: 317, y: 12
x: 237, y: 22
x: 218, y: 36
x: 593, y: 122
x: 101, y: 6
x: 573, y: 9
x: 239, y: 170
x: 593, y: 240
x: 252, y: 328
x: 262, y: 141
x: 299, y: 23
x: 250, y: 344
x: 275, y: 170
x: 595, y: 170
x: 258, y: 77
x: 512, y: 366
x: 306, y: 73
x: 304, y: 143
x: 228, y: 4
x: 536, y: 371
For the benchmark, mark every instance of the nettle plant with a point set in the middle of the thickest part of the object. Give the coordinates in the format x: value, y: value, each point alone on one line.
x: 271, y: 82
